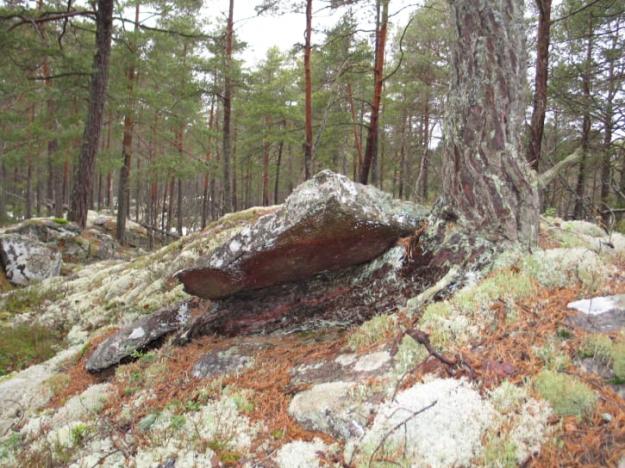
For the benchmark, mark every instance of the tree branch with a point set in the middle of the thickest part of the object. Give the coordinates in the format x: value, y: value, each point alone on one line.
x: 547, y: 177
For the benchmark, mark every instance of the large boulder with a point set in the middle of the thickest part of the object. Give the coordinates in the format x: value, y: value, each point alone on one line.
x: 75, y: 246
x: 26, y: 260
x: 328, y: 223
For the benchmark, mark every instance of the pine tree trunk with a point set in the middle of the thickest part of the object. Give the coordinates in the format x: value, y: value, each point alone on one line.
x: 308, y: 144
x: 371, y: 150
x: 123, y: 194
x: 97, y: 98
x: 227, y: 100
x: 487, y: 182
x: 539, y: 103
x: 580, y: 189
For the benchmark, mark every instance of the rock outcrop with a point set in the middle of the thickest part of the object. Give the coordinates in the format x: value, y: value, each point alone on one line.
x: 26, y: 260
x: 328, y: 223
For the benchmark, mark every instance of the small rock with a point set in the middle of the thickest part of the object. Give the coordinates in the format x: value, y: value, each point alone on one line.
x: 604, y: 314
x: 329, y: 407
x: 301, y: 454
x: 137, y: 336
x: 221, y: 363
x: 373, y: 361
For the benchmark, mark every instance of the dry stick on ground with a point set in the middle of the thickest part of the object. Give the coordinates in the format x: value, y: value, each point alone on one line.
x: 403, y: 423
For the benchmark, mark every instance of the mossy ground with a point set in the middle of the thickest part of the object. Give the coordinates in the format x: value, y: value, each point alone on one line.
x: 24, y: 345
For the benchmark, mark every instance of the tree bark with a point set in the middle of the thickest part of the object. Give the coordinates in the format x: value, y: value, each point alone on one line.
x: 371, y: 149
x: 97, y: 98
x: 580, y: 188
x: 487, y: 182
x: 123, y: 194
x: 357, y: 142
x: 308, y: 144
x: 227, y: 99
x: 539, y: 102
x: 266, y: 149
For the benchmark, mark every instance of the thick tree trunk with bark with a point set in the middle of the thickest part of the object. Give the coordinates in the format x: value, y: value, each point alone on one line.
x: 227, y: 111
x: 371, y: 149
x: 487, y: 183
x: 86, y: 164
x: 539, y: 103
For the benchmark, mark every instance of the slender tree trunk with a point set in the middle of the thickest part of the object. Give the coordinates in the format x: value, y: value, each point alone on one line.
x: 422, y: 178
x: 205, y: 196
x: 97, y: 98
x: 606, y: 169
x: 266, y: 149
x: 580, y: 188
x: 539, y: 103
x: 276, y: 188
x: 357, y: 142
x: 123, y: 194
x: 308, y: 144
x: 371, y: 150
x: 3, y: 185
x: 29, y: 175
x: 179, y: 214
x: 487, y: 182
x: 227, y: 195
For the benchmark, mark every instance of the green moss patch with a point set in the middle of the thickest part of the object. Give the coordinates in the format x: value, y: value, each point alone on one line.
x: 28, y: 299
x: 26, y: 345
x: 567, y: 395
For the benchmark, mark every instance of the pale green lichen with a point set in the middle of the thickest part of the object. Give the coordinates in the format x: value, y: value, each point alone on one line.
x: 597, y: 346
x: 409, y: 354
x: 552, y: 355
x: 372, y: 332
x: 462, y: 317
x: 557, y: 268
x: 618, y: 361
x: 567, y: 395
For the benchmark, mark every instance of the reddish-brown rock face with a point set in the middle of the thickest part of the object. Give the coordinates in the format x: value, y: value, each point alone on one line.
x: 327, y: 224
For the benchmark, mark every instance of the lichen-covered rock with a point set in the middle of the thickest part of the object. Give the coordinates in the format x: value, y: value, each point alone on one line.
x: 222, y: 363
x: 301, y: 454
x: 331, y: 407
x: 26, y: 260
x: 135, y: 236
x: 327, y: 223
x: 339, y: 298
x: 137, y: 336
x: 75, y: 246
x: 22, y: 393
x: 437, y: 423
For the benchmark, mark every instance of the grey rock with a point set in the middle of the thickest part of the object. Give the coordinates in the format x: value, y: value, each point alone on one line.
x: 137, y: 336
x: 332, y: 408
x: 221, y: 363
x: 604, y: 314
x: 26, y: 260
x: 328, y: 223
x: 75, y: 246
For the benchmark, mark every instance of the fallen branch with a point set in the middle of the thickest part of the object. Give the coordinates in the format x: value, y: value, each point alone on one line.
x: 388, y: 434
x: 547, y: 177
x: 426, y: 296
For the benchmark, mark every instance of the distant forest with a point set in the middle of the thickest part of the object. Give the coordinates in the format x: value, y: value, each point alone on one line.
x: 146, y: 110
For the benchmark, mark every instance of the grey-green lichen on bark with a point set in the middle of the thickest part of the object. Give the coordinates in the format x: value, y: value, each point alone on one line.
x: 486, y: 179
